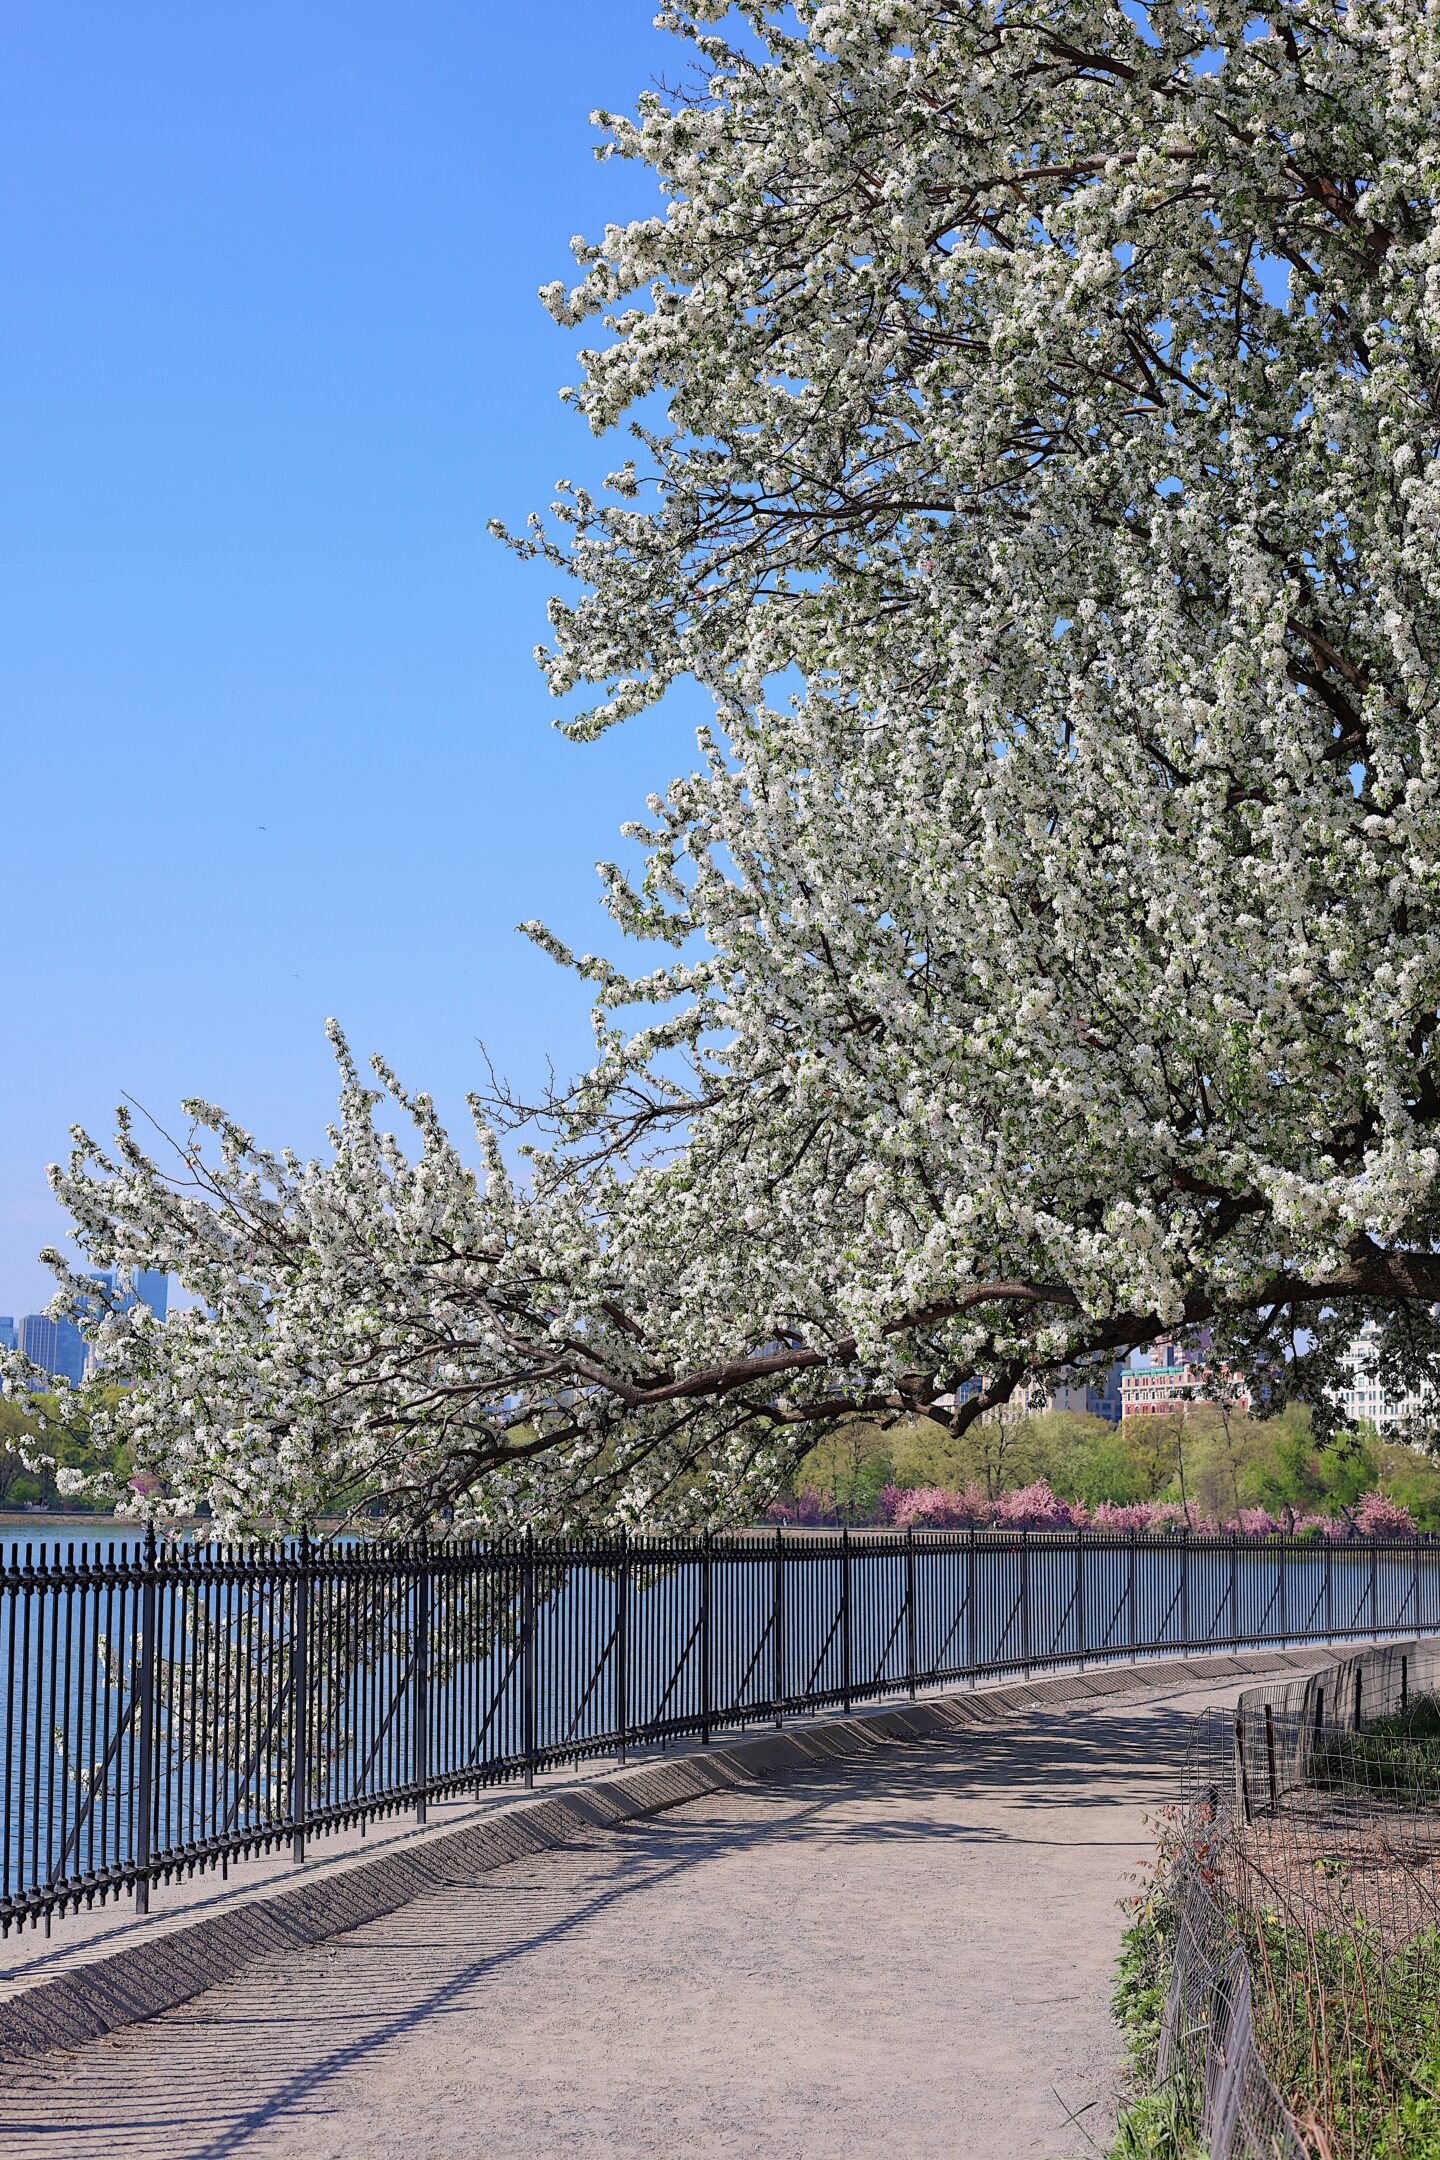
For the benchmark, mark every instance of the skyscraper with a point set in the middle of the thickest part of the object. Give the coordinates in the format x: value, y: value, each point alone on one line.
x: 148, y: 1287
x: 152, y: 1289
x: 56, y: 1346
x: 9, y: 1340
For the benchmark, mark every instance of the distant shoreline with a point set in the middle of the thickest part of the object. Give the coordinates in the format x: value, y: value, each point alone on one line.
x: 10, y: 1516
x: 73, y: 1518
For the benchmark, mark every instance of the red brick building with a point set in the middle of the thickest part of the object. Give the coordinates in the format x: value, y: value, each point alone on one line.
x: 1171, y: 1377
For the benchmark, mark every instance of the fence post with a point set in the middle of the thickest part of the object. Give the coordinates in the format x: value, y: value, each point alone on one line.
x: 846, y: 1661
x: 420, y: 1711
x: 777, y: 1623
x: 1234, y: 1586
x: 299, y: 1697
x: 910, y: 1642
x: 622, y: 1643
x: 707, y: 1696
x: 1080, y: 1629
x: 1270, y: 1758
x: 1415, y: 1592
x: 1374, y: 1595
x: 1284, y: 1603
x: 1185, y: 1586
x: 1130, y: 1592
x: 1025, y: 1598
x: 1240, y: 1764
x: 1329, y: 1591
x: 527, y: 1654
x: 145, y: 1680
x: 970, y: 1605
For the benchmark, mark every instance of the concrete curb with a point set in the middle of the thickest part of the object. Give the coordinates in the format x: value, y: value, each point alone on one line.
x: 109, y: 1988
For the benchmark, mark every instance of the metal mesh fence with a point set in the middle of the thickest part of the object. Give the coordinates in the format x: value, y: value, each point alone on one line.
x: 1304, y: 1894
x: 1207, y: 2040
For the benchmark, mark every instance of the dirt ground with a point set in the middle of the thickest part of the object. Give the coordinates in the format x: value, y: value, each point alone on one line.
x: 910, y: 1957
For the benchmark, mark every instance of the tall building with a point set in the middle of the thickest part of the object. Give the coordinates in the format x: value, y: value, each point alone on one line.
x: 1099, y: 1397
x: 153, y: 1289
x: 1365, y: 1402
x: 9, y: 1339
x: 148, y: 1286
x: 56, y: 1346
x: 1173, y: 1375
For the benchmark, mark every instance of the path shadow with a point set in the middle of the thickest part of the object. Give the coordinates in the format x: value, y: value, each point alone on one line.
x: 208, y: 2080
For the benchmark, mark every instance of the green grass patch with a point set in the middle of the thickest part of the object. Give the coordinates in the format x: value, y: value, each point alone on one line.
x: 1348, y: 2029
x: 1155, y: 2124
x: 1395, y: 1759
x: 1351, y: 2035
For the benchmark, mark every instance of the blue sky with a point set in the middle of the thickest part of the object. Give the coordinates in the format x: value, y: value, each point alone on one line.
x: 274, y: 743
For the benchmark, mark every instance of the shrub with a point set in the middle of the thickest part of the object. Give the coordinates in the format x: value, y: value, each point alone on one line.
x: 1375, y: 1516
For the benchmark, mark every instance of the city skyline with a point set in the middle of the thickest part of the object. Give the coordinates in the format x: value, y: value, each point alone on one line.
x: 57, y: 1346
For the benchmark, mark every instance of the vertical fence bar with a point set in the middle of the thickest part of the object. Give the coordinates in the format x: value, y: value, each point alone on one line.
x: 1283, y: 1599
x: 1025, y: 1598
x: 420, y: 1712
x: 1130, y: 1593
x: 910, y: 1627
x: 777, y: 1676
x: 8, y: 1883
x: 707, y: 1670
x: 1185, y: 1587
x: 622, y: 1645
x: 299, y: 1696
x: 777, y: 1624
x: 1080, y: 1628
x: 1374, y: 1593
x: 846, y: 1659
x: 68, y: 1750
x: 970, y: 1545
x: 145, y: 1681
x: 527, y: 1656
x: 1234, y: 1586
x: 1329, y: 1589
x: 1270, y: 1758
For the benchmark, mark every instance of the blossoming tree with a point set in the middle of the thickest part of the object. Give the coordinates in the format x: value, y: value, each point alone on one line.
x: 1043, y: 952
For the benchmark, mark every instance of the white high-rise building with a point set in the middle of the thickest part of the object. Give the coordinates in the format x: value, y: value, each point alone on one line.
x: 1365, y: 1402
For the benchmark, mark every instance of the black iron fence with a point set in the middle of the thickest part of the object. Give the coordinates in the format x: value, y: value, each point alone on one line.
x: 166, y: 1708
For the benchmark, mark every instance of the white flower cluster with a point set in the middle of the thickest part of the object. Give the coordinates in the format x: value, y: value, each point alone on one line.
x: 1054, y: 398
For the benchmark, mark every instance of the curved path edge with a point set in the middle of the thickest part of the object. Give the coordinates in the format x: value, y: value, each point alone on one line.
x: 68, y: 1996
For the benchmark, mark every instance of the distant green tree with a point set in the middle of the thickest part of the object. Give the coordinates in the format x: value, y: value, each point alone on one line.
x: 848, y: 1468
x: 40, y: 1426
x: 1084, y: 1458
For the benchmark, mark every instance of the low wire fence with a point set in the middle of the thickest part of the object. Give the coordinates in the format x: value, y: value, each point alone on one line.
x: 1304, y: 1984
x: 167, y: 1707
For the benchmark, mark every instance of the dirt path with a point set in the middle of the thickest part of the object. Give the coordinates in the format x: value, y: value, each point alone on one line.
x: 910, y: 1958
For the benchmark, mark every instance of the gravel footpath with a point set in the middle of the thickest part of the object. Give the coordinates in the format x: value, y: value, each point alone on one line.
x: 910, y: 1957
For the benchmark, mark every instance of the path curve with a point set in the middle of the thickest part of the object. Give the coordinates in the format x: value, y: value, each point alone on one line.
x: 909, y: 1956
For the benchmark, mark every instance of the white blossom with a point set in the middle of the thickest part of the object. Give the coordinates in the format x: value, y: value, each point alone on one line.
x: 1044, y: 945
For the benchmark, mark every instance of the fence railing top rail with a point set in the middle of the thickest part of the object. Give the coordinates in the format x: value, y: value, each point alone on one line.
x: 25, y: 1561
